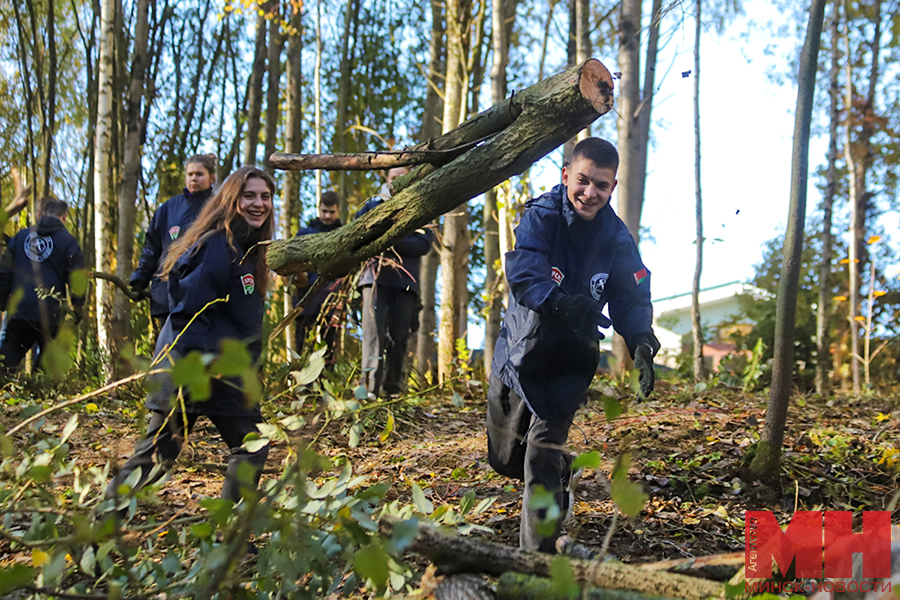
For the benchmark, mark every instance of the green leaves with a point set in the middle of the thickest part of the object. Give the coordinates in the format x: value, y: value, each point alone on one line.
x: 542, y: 499
x: 190, y: 372
x: 371, y: 562
x: 57, y: 358
x: 14, y: 577
x: 313, y: 368
x: 423, y: 504
x: 628, y: 496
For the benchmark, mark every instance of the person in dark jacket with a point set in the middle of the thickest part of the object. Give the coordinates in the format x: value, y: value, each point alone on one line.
x: 36, y: 268
x: 327, y: 220
x: 217, y: 279
x: 390, y: 291
x: 572, y: 257
x: 170, y: 221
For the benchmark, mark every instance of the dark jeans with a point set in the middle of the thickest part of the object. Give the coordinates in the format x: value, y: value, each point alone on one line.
x: 18, y: 338
x: 164, y: 439
x: 524, y: 447
x: 386, y: 316
x: 304, y: 324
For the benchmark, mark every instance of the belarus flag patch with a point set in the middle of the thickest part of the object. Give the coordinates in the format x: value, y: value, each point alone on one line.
x: 640, y: 276
x: 249, y: 284
x: 174, y: 231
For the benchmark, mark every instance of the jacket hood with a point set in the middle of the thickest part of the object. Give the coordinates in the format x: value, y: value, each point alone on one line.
x: 199, y: 196
x: 49, y: 225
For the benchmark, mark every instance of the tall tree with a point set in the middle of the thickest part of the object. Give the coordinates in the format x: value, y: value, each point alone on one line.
x: 103, y: 148
x: 135, y: 118
x: 766, y: 463
x: 293, y: 137
x: 431, y: 128
x: 859, y: 154
x: 254, y: 90
x: 503, y: 14
x: 49, y: 122
x: 823, y: 313
x: 351, y: 14
x: 273, y: 83
x: 455, y: 241
x: 583, y: 46
x: 696, y: 328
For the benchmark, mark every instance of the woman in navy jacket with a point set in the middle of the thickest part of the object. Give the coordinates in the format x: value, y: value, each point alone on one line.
x: 217, y: 278
x: 170, y: 221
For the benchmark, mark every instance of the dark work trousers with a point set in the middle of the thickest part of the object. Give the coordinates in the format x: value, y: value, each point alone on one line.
x: 165, y: 437
x: 18, y: 338
x: 532, y: 450
x: 386, y: 316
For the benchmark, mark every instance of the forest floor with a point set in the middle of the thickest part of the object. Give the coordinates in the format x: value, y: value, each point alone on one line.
x: 688, y: 448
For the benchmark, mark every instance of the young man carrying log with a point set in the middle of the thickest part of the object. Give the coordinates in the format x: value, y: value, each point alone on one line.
x: 573, y: 256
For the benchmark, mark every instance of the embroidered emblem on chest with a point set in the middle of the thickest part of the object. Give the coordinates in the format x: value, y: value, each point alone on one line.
x: 556, y: 275
x: 598, y: 285
x: 174, y: 231
x: 249, y: 284
x: 38, y: 248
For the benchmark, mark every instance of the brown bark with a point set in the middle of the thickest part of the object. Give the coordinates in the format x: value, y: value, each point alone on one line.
x: 503, y: 16
x: 339, y: 143
x: 696, y: 327
x: 551, y: 112
x: 273, y: 85
x: 823, y: 338
x: 50, y: 118
x: 254, y: 91
x: 131, y: 172
x: 431, y: 128
x: 458, y: 554
x: 766, y: 463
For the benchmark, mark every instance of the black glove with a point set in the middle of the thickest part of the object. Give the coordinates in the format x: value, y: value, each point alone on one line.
x: 137, y: 285
x: 582, y: 314
x: 646, y: 348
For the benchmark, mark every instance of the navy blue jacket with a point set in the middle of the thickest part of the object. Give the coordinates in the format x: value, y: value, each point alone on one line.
x: 538, y: 354
x: 40, y: 257
x: 200, y: 276
x: 407, y: 253
x: 169, y: 221
x: 313, y: 308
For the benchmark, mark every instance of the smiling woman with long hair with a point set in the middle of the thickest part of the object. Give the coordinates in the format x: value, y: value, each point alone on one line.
x: 217, y: 276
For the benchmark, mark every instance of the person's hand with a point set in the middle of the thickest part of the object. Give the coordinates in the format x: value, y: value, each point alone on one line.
x: 582, y: 314
x: 644, y: 352
x: 137, y: 285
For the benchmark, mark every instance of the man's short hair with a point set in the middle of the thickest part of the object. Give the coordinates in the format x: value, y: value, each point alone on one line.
x: 53, y: 207
x: 600, y: 152
x: 329, y: 198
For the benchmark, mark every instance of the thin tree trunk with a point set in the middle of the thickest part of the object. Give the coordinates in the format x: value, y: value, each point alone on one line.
x: 583, y: 47
x: 351, y: 13
x: 273, y: 86
x: 696, y: 328
x: 103, y: 150
x: 254, y: 91
x: 571, y: 55
x: 766, y: 463
x: 455, y: 243
x: 318, y: 90
x: 551, y: 5
x: 50, y: 120
x: 502, y: 18
x: 293, y: 135
x: 823, y: 341
x: 120, y: 323
x: 431, y: 127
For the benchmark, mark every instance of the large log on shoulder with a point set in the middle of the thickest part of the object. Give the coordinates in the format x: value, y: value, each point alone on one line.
x: 544, y: 116
x: 458, y: 554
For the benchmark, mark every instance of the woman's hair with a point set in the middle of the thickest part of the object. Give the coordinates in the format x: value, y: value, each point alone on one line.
x: 207, y: 161
x: 217, y: 215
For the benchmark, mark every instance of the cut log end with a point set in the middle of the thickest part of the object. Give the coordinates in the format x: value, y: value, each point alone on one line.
x: 596, y: 84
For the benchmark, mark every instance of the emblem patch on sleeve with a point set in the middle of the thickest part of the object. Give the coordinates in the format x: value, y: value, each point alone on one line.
x: 249, y: 284
x: 598, y: 285
x: 640, y: 276
x: 174, y: 231
x: 557, y: 276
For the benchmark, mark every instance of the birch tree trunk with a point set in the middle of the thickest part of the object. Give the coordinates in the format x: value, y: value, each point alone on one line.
x: 254, y: 91
x: 431, y: 128
x: 131, y: 172
x: 503, y: 14
x: 696, y: 328
x: 766, y: 462
x: 103, y: 250
x: 455, y: 243
x: 823, y: 341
